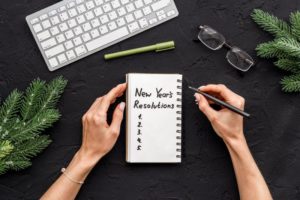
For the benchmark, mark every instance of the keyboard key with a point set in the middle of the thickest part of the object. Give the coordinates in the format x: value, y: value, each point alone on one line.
x: 139, y: 4
x: 124, y: 2
x: 70, y: 55
x: 115, y: 4
x: 72, y: 12
x: 112, y: 26
x: 77, y: 41
x: 43, y: 17
x: 69, y: 34
x: 99, y: 2
x: 46, y: 24
x: 79, y: 1
x: 89, y: 15
x: 152, y: 21
x: 53, y: 62
x: 69, y: 44
x: 86, y: 27
x: 143, y: 23
x: 121, y: 11
x: 55, y: 51
x: 77, y: 30
x: 81, y: 9
x: 160, y: 4
x: 104, y: 19
x: 148, y: 1
x: 103, y: 29
x: 86, y: 37
x: 80, y: 50
x: 62, y: 58
x: 61, y: 9
x: 71, y: 4
x: 54, y: 30
x: 80, y: 19
x: 161, y: 12
x: 121, y: 21
x: 138, y: 14
x: 107, y: 7
x: 48, y: 43
x: 113, y: 15
x: 72, y: 23
x: 98, y: 11
x: 63, y: 27
x: 52, y: 13
x: 37, y: 28
x: 95, y: 23
x: 54, y: 20
x: 106, y: 39
x: 129, y: 18
x: 161, y: 17
x: 130, y: 7
x: 43, y: 35
x: 133, y: 27
x: 90, y: 5
x: 147, y: 10
x: 95, y: 33
x: 60, y: 38
x: 35, y: 20
x: 171, y: 12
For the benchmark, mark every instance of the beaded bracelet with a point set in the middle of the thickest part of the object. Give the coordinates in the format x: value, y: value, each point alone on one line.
x: 63, y: 171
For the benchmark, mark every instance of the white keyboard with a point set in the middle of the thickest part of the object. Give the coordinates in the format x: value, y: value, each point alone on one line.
x: 73, y: 29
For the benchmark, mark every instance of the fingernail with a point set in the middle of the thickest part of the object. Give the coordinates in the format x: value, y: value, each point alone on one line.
x: 201, y: 87
x: 197, y: 97
x: 122, y: 106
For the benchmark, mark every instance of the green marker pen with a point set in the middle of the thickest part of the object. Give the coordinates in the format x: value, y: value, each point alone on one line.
x: 157, y: 48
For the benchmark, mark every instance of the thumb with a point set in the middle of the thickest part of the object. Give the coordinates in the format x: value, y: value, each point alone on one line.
x: 205, y: 107
x: 117, y: 118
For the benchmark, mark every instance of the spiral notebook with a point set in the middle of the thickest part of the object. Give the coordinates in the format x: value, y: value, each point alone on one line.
x: 153, y: 130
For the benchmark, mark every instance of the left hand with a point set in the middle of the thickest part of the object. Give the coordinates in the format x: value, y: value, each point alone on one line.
x: 98, y: 137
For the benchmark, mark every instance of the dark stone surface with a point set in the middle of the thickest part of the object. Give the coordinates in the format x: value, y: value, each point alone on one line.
x: 206, y: 172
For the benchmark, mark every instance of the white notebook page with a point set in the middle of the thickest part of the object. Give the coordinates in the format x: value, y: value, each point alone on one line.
x: 154, y: 118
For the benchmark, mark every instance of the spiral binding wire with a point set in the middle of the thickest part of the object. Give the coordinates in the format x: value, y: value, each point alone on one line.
x: 179, y: 118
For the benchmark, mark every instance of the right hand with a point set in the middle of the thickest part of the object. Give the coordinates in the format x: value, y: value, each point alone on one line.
x: 226, y: 123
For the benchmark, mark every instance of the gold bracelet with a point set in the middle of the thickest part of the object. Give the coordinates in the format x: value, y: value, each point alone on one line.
x: 63, y: 171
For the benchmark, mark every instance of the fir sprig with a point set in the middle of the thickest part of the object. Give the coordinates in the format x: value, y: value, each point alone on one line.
x: 285, y: 47
x: 23, y: 118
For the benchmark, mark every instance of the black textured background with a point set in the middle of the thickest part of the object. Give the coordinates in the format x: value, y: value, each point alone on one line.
x: 206, y: 172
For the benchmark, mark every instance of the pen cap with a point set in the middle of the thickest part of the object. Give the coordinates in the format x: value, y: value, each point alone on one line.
x: 165, y: 46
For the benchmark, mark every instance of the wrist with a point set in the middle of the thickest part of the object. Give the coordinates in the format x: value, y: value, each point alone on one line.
x: 235, y: 142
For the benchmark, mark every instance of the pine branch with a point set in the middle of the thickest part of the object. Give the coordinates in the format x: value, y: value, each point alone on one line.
x: 271, y: 24
x: 5, y: 149
x: 38, y: 124
x: 32, y: 99
x: 288, y: 65
x: 53, y: 92
x: 295, y: 24
x: 10, y: 108
x: 288, y: 45
x: 291, y: 83
x: 270, y: 50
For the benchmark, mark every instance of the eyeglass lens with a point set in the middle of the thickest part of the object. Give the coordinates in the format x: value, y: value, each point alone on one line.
x: 211, y: 38
x: 239, y: 59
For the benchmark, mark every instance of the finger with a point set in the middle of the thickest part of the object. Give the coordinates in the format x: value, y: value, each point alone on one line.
x: 117, y: 119
x: 205, y: 107
x: 94, y: 105
x: 111, y: 96
x: 220, y: 90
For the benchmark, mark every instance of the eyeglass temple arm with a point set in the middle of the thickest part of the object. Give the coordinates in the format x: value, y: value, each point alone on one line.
x: 227, y: 45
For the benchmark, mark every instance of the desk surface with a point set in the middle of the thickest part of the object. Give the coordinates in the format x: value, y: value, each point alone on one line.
x: 206, y: 172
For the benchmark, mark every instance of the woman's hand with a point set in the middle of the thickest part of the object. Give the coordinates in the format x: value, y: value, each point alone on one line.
x: 98, y: 137
x: 227, y: 124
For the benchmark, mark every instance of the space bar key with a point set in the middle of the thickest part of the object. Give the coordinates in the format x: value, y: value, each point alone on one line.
x: 106, y: 39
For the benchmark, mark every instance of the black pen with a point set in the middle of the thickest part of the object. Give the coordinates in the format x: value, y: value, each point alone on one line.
x: 221, y: 103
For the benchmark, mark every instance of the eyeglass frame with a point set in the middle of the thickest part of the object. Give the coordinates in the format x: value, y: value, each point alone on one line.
x: 226, y: 45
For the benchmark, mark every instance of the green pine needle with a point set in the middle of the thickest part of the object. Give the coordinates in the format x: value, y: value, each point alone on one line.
x: 271, y: 24
x: 23, y: 118
x: 295, y: 23
x: 288, y: 65
x: 269, y: 50
x: 288, y: 45
x: 291, y: 83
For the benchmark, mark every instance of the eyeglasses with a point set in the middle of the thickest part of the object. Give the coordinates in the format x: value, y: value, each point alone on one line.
x: 215, y: 41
